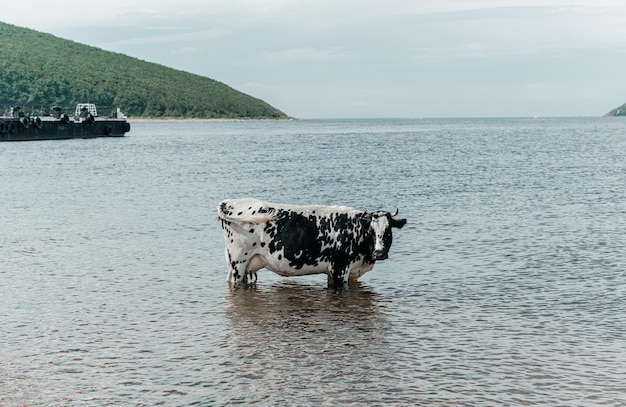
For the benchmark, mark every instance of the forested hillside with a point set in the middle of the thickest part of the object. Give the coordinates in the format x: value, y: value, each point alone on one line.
x: 618, y: 111
x: 38, y: 71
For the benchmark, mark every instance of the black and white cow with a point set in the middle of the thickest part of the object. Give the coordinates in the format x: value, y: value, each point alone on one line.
x: 339, y: 241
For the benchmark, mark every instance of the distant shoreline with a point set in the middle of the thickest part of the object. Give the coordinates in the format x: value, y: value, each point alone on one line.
x: 194, y: 120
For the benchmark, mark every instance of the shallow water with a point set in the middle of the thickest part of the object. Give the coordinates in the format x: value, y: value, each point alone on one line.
x: 506, y: 287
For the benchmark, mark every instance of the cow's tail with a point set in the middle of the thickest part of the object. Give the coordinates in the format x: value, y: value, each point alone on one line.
x: 239, y: 211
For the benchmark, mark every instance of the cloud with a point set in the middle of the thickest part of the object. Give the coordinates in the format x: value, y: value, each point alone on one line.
x: 147, y: 37
x: 122, y: 12
x: 306, y: 55
x: 184, y: 50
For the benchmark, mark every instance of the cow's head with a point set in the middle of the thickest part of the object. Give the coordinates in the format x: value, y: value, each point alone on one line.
x: 380, y: 226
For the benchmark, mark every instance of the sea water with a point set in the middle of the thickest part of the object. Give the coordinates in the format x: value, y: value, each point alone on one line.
x: 507, y: 286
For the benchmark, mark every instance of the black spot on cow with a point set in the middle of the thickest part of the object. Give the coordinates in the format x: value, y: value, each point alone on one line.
x: 297, y: 236
x: 270, y: 229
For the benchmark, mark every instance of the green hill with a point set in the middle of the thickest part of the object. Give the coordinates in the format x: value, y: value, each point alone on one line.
x: 39, y: 70
x: 618, y: 111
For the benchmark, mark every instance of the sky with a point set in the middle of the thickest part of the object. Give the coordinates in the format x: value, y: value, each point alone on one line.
x: 371, y: 58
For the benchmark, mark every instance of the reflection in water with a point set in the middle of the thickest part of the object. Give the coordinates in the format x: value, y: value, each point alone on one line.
x: 292, y: 342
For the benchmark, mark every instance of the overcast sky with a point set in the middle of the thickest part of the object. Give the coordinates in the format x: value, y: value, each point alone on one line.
x: 371, y: 58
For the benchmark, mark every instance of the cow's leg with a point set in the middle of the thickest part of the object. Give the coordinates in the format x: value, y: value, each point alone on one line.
x: 236, y: 267
x: 353, y: 277
x: 339, y: 277
x: 239, y: 271
x: 229, y: 276
x: 242, y: 267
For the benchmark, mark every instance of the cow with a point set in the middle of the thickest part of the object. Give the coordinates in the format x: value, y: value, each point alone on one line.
x: 339, y: 241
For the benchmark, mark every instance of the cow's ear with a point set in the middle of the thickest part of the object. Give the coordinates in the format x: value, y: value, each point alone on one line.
x: 397, y: 223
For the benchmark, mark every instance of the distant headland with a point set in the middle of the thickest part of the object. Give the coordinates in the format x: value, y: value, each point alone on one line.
x: 618, y: 111
x: 40, y: 71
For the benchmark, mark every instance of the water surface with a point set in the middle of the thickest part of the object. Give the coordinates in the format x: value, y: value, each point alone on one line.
x: 506, y: 287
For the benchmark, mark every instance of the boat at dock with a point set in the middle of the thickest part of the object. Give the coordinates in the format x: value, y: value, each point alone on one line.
x: 18, y: 126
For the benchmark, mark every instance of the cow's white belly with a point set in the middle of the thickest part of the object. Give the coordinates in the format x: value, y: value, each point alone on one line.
x: 282, y: 267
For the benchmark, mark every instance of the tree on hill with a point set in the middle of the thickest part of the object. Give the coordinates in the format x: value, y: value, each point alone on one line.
x: 38, y: 71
